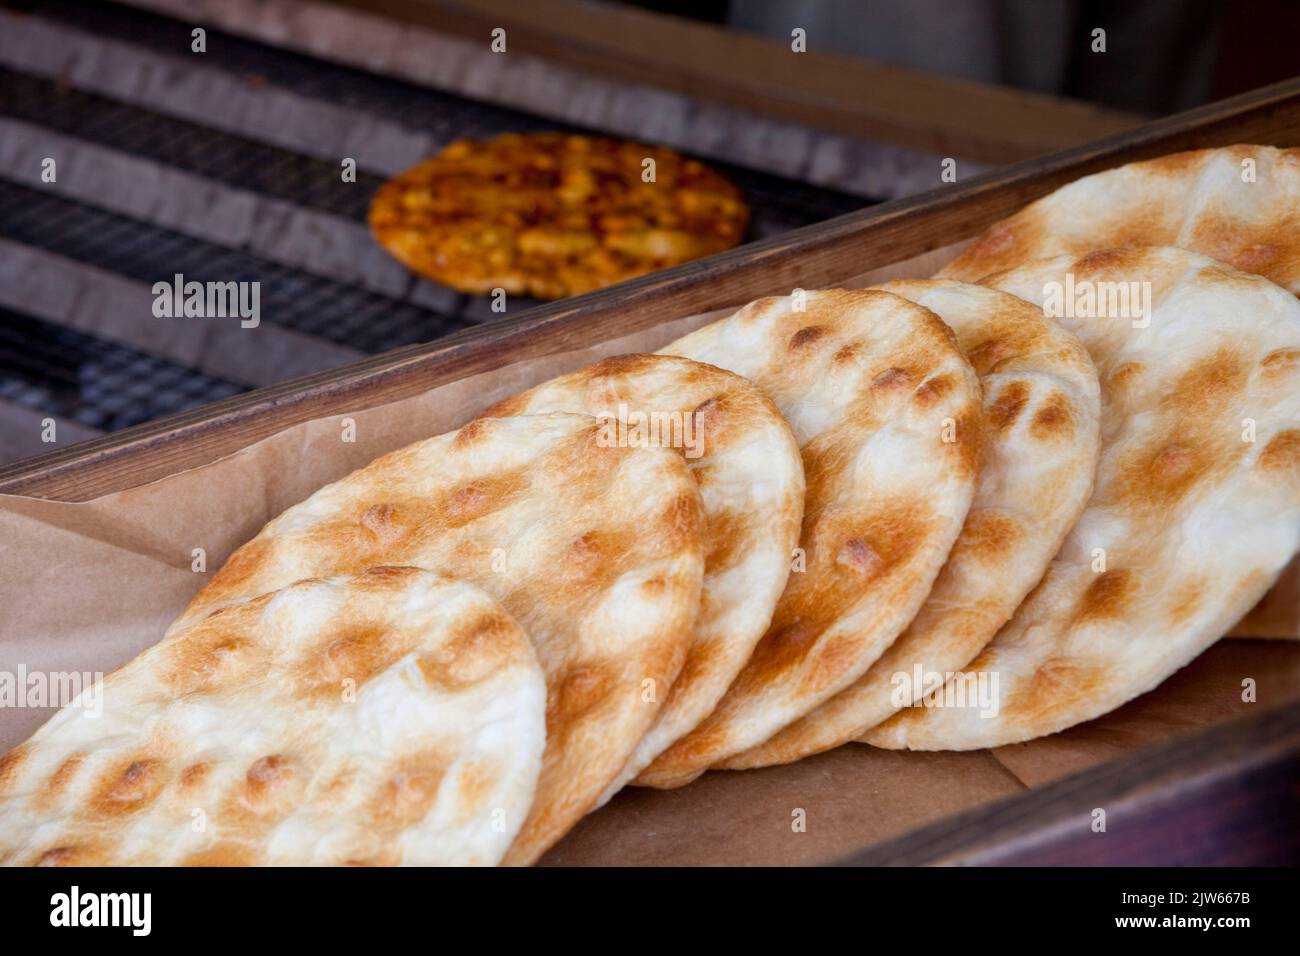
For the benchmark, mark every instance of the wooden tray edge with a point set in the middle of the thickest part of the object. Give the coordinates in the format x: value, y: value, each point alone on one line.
x: 1225, y: 796
x: 904, y: 227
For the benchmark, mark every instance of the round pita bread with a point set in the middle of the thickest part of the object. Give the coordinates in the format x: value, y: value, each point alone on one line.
x: 887, y: 414
x: 1042, y: 410
x: 596, y: 550
x: 1237, y: 204
x: 386, y: 717
x: 746, y: 462
x: 1196, y: 506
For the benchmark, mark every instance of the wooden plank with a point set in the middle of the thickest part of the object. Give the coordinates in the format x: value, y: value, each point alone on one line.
x: 914, y: 108
x: 1224, y: 796
x: 815, y: 256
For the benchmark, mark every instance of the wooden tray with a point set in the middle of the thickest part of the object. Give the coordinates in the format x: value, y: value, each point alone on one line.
x: 1236, y: 780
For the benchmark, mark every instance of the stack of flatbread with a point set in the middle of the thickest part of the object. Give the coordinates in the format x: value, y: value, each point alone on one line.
x: 934, y: 514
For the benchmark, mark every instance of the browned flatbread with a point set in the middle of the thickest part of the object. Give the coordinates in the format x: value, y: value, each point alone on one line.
x: 1042, y: 409
x: 552, y: 214
x: 747, y: 464
x: 887, y: 413
x: 381, y: 718
x: 1195, y: 510
x: 597, y: 550
x: 1238, y: 204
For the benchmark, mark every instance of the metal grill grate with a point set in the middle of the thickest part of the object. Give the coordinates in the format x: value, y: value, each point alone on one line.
x: 65, y: 373
x: 216, y: 155
x: 103, y: 384
x: 778, y: 204
x: 341, y: 313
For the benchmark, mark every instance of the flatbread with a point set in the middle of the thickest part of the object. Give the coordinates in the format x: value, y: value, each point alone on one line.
x: 1197, y: 200
x: 597, y: 550
x: 887, y: 414
x: 553, y: 214
x: 746, y: 462
x: 1042, y: 410
x: 386, y: 717
x: 1189, y: 521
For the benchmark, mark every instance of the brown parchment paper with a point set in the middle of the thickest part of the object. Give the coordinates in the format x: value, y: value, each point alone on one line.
x: 86, y: 586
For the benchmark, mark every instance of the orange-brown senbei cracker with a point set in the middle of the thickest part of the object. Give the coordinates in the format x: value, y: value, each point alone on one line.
x: 551, y: 215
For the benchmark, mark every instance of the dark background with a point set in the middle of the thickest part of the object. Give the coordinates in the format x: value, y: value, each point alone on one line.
x: 1162, y: 55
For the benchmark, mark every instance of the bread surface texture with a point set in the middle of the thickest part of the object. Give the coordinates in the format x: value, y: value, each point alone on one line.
x: 1196, y: 505
x: 1042, y: 410
x: 746, y: 463
x: 596, y: 549
x: 385, y: 717
x: 1237, y: 204
x: 887, y: 414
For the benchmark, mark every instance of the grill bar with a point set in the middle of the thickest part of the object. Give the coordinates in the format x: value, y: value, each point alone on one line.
x: 216, y: 155
x: 105, y: 90
x: 339, y: 313
x: 444, y: 116
x: 68, y: 374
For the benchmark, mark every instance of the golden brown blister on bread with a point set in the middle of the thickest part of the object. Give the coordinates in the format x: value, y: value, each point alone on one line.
x: 386, y: 717
x: 746, y: 463
x: 1195, y: 511
x: 1237, y: 204
x: 596, y: 550
x: 887, y: 414
x: 553, y: 214
x: 1042, y: 411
